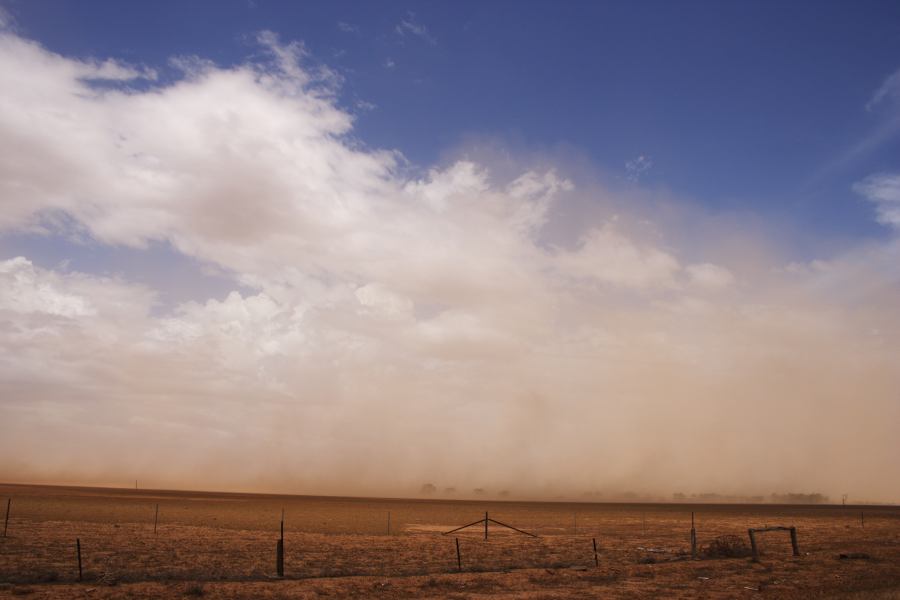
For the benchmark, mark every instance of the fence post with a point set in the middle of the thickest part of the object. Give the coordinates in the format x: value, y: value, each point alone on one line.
x: 6, y: 520
x: 794, y: 545
x: 693, y: 538
x: 485, y: 524
x: 458, y: 557
x: 279, y: 558
x: 279, y: 550
x: 596, y: 560
x: 78, y: 553
x: 155, y: 519
x: 753, y: 548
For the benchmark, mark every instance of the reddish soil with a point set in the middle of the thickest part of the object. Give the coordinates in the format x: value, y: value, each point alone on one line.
x: 223, y: 546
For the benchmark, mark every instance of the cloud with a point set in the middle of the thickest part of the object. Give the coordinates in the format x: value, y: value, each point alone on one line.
x: 347, y: 27
x: 379, y: 309
x: 410, y: 26
x: 607, y: 256
x: 637, y: 167
x: 883, y: 190
x: 24, y: 294
x: 6, y: 19
x: 889, y: 92
x: 709, y: 275
x: 884, y: 104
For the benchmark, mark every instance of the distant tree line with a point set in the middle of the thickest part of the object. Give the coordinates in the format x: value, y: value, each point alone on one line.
x: 792, y: 498
x: 786, y: 498
x: 429, y: 489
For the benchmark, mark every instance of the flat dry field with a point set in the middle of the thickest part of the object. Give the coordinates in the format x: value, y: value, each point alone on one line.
x: 223, y: 546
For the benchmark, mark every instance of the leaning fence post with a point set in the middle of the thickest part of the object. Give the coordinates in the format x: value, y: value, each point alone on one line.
x: 458, y: 557
x: 78, y: 553
x: 485, y: 524
x: 794, y: 544
x: 596, y: 560
x: 753, y: 548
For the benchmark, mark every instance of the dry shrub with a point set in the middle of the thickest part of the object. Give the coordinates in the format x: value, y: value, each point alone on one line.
x: 726, y: 546
x: 194, y: 589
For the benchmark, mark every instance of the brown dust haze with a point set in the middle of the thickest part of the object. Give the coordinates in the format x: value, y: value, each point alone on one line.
x: 291, y: 311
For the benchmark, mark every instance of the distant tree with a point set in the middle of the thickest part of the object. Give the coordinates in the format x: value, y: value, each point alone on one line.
x: 710, y: 496
x: 449, y: 490
x: 478, y: 491
x: 504, y: 494
x: 428, y: 488
x: 795, y: 498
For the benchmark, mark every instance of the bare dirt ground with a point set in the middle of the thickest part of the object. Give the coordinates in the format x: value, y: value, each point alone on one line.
x: 223, y: 546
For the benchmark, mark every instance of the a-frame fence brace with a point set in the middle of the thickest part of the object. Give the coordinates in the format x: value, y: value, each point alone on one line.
x: 754, y: 530
x: 485, y: 521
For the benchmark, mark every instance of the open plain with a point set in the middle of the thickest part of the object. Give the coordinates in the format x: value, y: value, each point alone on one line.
x: 222, y: 545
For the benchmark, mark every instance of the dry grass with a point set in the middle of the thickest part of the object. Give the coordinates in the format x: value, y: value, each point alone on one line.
x: 223, y: 546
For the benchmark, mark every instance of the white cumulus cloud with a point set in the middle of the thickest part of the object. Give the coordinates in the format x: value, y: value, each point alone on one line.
x: 380, y: 311
x: 883, y: 190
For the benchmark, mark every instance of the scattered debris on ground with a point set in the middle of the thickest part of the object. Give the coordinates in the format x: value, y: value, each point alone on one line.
x: 854, y: 556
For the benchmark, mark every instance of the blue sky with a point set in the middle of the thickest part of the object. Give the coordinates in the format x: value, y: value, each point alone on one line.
x: 739, y: 105
x: 300, y: 247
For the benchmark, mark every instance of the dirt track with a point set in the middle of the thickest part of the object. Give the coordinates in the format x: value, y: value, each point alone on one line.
x: 223, y: 545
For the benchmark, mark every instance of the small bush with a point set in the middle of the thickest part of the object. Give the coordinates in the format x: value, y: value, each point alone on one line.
x: 46, y: 577
x: 726, y: 546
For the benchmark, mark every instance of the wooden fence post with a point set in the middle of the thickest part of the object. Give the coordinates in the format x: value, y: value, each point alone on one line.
x: 6, y: 520
x: 794, y: 546
x: 279, y: 550
x: 485, y: 524
x: 753, y: 547
x: 78, y: 553
x: 279, y: 558
x: 458, y: 557
x: 389, y: 522
x: 596, y: 560
x: 155, y: 519
x: 693, y: 538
